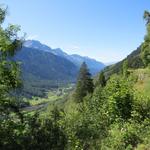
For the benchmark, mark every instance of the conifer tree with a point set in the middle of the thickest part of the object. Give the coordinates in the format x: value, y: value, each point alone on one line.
x: 125, y: 68
x: 102, y: 80
x: 84, y: 83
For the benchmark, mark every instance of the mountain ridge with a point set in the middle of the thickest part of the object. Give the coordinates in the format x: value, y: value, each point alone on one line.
x: 94, y: 65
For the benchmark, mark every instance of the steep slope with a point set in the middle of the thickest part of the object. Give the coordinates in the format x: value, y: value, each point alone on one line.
x: 93, y: 65
x: 137, y: 70
x: 134, y: 61
x: 46, y: 65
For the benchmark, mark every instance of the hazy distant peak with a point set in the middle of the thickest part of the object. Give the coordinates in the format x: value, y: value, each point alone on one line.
x: 110, y: 63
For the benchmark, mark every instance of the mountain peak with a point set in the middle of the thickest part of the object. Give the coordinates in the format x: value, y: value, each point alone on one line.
x: 36, y: 45
x: 94, y: 65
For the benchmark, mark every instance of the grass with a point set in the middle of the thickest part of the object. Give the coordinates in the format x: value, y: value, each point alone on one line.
x: 37, y: 100
x: 54, y: 98
x: 143, y: 80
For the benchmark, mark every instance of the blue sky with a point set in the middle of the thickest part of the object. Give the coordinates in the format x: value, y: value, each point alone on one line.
x: 107, y: 30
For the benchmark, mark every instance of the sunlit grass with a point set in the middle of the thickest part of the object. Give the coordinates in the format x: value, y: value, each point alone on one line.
x: 143, y: 80
x: 37, y: 100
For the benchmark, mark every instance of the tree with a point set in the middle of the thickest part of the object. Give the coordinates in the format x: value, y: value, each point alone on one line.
x: 44, y: 133
x: 10, y: 116
x: 119, y: 95
x: 147, y: 16
x: 9, y: 69
x: 125, y: 68
x: 84, y: 83
x: 102, y: 80
x: 145, y: 48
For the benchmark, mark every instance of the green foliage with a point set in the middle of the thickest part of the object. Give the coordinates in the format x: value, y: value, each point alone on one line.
x: 84, y: 83
x: 86, y: 125
x: 125, y: 68
x: 16, y: 130
x: 34, y: 133
x: 134, y: 61
x: 119, y: 95
x: 141, y: 107
x: 123, y: 136
x: 147, y: 16
x: 10, y: 116
x: 9, y: 71
x: 145, y: 53
x: 44, y: 134
x: 111, y: 116
x: 101, y: 80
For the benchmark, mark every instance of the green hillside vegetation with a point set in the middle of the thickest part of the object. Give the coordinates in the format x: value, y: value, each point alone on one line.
x: 143, y: 80
x: 36, y: 100
x: 109, y: 115
x: 134, y: 61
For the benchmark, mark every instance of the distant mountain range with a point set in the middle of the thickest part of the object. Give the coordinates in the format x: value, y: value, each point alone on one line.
x: 45, y: 65
x: 45, y: 68
x: 94, y: 66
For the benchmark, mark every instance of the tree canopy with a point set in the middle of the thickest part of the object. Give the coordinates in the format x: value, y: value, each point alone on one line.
x: 145, y: 48
x: 84, y: 83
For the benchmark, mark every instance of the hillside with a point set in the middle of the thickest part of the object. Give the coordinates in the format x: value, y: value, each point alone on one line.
x: 134, y: 61
x: 45, y: 65
x: 136, y: 69
x: 44, y: 70
x: 143, y: 80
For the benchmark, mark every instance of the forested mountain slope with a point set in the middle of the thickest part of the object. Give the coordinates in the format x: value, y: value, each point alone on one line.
x: 42, y: 70
x: 45, y: 65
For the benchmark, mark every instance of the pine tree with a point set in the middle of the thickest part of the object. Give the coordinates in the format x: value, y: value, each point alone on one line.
x: 102, y: 80
x: 125, y: 68
x: 84, y: 83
